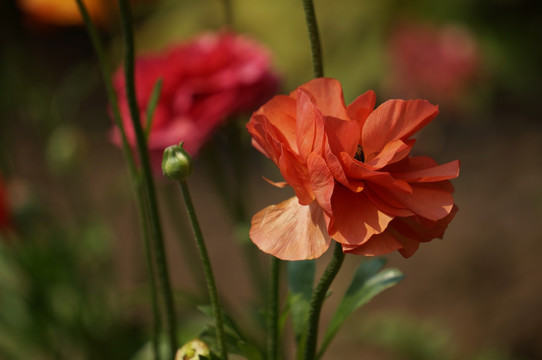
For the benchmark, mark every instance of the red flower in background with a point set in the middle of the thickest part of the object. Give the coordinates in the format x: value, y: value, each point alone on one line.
x: 352, y: 174
x: 432, y: 62
x: 5, y: 216
x: 205, y: 81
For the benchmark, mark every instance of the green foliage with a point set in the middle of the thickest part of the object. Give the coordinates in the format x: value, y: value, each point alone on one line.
x: 368, y: 282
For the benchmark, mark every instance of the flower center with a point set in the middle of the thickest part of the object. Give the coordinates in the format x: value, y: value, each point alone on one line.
x: 359, y: 154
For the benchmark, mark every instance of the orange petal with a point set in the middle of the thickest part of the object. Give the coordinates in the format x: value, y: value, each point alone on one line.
x: 290, y: 231
x: 360, y: 108
x: 322, y: 181
x: 328, y: 96
x: 343, y: 136
x: 395, y: 119
x: 380, y: 244
x: 279, y: 184
x: 337, y: 170
x: 429, y: 202
x: 281, y: 112
x: 431, y: 173
x: 392, y: 152
x: 355, y: 217
x: 309, y: 125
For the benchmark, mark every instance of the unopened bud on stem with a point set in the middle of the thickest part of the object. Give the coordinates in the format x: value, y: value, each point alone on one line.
x: 176, y: 163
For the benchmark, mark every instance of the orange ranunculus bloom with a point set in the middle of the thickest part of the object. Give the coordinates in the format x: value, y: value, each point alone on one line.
x: 352, y: 174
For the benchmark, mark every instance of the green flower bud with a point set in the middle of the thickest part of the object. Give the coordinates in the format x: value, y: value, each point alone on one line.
x: 177, y: 163
x: 192, y: 350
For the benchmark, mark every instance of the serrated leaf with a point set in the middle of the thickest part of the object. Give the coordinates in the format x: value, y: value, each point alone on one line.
x: 368, y: 282
x: 300, y: 283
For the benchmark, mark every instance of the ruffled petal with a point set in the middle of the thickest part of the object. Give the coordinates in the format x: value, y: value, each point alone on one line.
x: 430, y: 202
x: 309, y: 126
x: 290, y: 231
x: 425, y: 169
x: 393, y: 120
x: 327, y: 94
x: 380, y: 244
x: 355, y: 217
x: 361, y: 107
x: 343, y: 136
x: 322, y: 181
x: 281, y: 112
x: 392, y: 152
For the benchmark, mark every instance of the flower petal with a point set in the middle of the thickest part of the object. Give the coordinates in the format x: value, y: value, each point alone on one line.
x: 281, y: 112
x: 393, y: 120
x: 392, y: 152
x: 343, y: 136
x: 355, y: 217
x: 290, y: 231
x: 309, y: 125
x: 430, y: 202
x: 328, y: 96
x: 322, y: 181
x: 380, y: 244
x: 361, y: 107
x: 430, y: 172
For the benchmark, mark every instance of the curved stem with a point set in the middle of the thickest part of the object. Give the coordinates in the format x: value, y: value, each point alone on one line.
x: 209, y: 277
x: 318, y: 299
x: 273, y: 310
x: 147, y: 180
x: 316, y: 47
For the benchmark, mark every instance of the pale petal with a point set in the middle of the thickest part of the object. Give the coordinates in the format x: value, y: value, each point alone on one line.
x: 290, y: 231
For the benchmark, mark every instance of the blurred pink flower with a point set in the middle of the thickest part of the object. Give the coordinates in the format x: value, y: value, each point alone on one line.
x: 205, y: 81
x: 434, y: 62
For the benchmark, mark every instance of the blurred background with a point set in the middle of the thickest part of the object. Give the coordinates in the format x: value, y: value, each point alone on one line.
x: 72, y: 271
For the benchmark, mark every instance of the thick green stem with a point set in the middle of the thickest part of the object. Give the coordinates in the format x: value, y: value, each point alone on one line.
x: 317, y: 300
x: 209, y: 277
x: 147, y: 180
x: 316, y: 48
x: 273, y: 310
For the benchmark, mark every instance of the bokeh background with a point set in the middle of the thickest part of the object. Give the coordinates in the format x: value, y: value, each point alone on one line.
x: 72, y: 274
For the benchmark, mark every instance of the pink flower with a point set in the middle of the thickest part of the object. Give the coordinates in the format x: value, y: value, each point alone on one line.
x: 354, y: 179
x: 205, y: 81
x: 433, y: 62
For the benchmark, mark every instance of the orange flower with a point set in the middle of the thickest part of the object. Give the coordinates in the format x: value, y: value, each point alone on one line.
x: 62, y: 12
x: 352, y: 174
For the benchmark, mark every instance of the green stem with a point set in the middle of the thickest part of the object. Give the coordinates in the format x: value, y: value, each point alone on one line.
x: 209, y: 277
x: 316, y: 48
x: 318, y: 299
x: 147, y: 180
x: 150, y: 268
x: 228, y: 11
x: 273, y: 310
x: 110, y: 91
x: 142, y: 209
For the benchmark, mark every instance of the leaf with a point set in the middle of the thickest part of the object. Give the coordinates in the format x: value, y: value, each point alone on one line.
x: 300, y: 280
x: 368, y: 282
x: 155, y: 96
x: 236, y: 341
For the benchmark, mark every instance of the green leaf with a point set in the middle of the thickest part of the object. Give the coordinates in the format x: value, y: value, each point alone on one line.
x: 236, y: 341
x: 300, y: 281
x: 155, y: 96
x: 368, y: 282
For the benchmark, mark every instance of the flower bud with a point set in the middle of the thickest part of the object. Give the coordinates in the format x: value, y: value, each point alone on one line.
x: 192, y: 350
x: 177, y: 163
